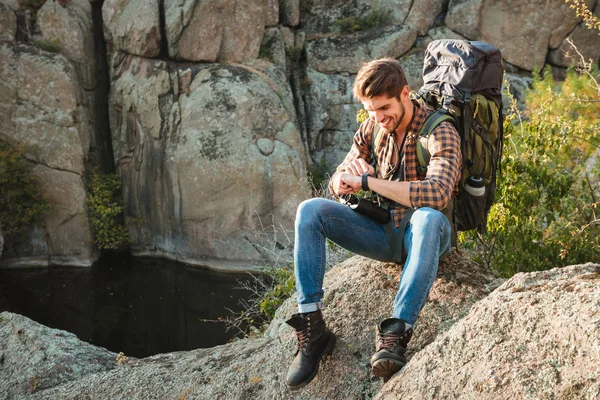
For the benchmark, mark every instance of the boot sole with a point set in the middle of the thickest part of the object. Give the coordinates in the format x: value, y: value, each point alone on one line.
x: 385, y: 368
x: 328, y: 350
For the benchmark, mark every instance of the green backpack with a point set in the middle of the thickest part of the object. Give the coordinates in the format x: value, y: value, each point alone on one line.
x: 463, y: 83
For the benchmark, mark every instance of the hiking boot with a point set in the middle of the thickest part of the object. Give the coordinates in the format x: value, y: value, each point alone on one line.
x: 391, y: 344
x: 314, y: 341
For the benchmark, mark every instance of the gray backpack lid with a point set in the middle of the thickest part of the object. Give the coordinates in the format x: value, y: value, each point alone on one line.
x: 470, y: 67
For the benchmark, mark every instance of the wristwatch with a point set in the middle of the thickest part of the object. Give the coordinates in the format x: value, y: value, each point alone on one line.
x: 365, y: 182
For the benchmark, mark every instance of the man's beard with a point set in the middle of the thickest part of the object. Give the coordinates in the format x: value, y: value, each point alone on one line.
x: 402, y: 112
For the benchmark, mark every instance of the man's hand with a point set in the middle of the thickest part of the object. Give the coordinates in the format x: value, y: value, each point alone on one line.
x: 353, y: 183
x: 358, y: 167
x: 345, y: 182
x: 338, y: 186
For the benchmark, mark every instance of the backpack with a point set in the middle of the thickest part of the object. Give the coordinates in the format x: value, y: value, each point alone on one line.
x: 462, y: 83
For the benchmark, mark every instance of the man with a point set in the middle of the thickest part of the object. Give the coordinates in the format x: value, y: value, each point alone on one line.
x: 390, y: 170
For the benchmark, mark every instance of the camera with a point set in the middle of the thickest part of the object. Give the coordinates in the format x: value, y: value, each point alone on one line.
x: 368, y: 208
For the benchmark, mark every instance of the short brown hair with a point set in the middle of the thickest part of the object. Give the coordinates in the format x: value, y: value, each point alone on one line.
x: 382, y: 76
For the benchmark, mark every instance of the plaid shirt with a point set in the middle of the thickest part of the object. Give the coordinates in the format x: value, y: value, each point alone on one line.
x: 433, y: 189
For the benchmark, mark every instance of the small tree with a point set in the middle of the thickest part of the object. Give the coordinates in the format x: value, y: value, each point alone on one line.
x: 105, y: 211
x: 21, y: 201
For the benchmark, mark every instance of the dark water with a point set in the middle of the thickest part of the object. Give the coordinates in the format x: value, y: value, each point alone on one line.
x: 138, y: 306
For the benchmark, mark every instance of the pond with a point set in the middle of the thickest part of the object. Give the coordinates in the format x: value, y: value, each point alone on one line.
x: 138, y: 306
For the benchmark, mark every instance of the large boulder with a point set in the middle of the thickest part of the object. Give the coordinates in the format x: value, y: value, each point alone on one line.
x: 217, y: 30
x: 359, y: 293
x: 43, y: 110
x: 209, y: 156
x: 535, y: 337
x: 69, y: 27
x: 522, y: 30
x: 35, y: 357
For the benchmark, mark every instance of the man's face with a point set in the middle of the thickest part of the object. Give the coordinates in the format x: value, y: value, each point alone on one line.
x: 386, y: 111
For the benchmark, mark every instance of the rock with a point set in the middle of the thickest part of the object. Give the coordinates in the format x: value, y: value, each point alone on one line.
x: 35, y: 357
x: 271, y: 9
x: 42, y: 108
x: 585, y: 40
x: 518, y: 88
x: 132, y: 26
x: 347, y: 53
x: 273, y: 47
x: 536, y: 336
x: 8, y: 23
x: 215, y: 30
x: 13, y: 4
x: 359, y: 293
x: 67, y: 230
x: 523, y: 31
x: 412, y: 63
x: 211, y: 157
x: 436, y: 34
x: 423, y: 14
x: 70, y: 27
x: 289, y: 12
x: 563, y: 20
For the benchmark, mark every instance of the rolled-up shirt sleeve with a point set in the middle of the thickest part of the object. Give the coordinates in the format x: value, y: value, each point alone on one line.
x: 443, y: 171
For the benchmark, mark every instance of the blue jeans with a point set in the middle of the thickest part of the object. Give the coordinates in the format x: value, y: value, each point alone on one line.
x: 427, y: 236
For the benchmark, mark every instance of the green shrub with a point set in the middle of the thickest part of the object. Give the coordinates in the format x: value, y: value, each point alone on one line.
x: 51, y: 46
x: 267, y: 292
x: 283, y: 286
x: 376, y: 18
x: 105, y: 211
x: 545, y: 211
x: 318, y: 177
x: 21, y: 201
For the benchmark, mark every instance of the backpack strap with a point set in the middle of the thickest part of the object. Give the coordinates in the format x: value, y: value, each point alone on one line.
x: 432, y: 121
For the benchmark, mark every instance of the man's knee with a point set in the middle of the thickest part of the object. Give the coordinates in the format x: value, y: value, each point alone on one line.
x: 310, y: 210
x: 427, y: 218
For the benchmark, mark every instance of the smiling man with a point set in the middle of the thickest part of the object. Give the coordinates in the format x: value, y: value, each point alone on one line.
x: 383, y: 159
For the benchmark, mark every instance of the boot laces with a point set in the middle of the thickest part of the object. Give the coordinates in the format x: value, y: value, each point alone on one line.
x: 302, y: 339
x: 388, y: 340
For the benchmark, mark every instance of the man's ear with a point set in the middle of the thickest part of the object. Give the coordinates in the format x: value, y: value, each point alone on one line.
x: 405, y: 93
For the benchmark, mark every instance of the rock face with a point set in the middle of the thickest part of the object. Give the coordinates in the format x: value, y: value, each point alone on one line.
x: 536, y: 336
x: 35, y: 357
x: 359, y: 292
x: 207, y: 154
x: 43, y: 109
x: 70, y: 28
x: 8, y: 23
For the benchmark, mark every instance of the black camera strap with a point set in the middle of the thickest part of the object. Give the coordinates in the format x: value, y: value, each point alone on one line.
x: 397, y: 240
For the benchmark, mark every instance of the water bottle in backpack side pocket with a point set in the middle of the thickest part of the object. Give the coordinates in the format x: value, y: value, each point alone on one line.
x: 475, y: 186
